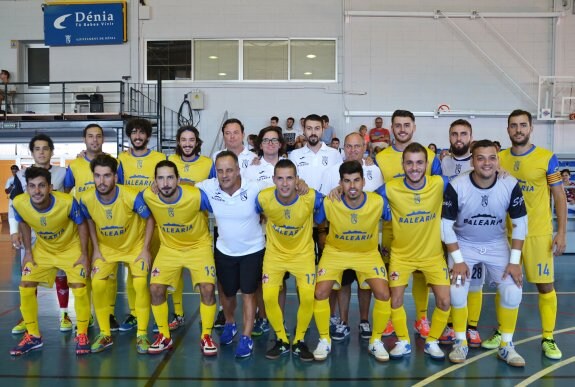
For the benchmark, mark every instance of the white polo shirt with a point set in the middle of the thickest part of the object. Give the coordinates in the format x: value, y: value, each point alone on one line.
x: 311, y: 166
x: 262, y: 173
x: 239, y: 229
x: 244, y: 158
x: 371, y: 174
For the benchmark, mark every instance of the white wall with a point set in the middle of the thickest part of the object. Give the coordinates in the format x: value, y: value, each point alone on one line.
x: 384, y: 63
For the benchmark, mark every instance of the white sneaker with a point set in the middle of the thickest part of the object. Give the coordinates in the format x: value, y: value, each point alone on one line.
x: 433, y: 350
x: 378, y: 351
x: 322, y: 350
x: 402, y: 348
x: 508, y: 354
x: 459, y: 352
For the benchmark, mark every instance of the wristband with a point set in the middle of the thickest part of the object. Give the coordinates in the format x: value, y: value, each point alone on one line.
x: 515, y: 257
x: 457, y: 256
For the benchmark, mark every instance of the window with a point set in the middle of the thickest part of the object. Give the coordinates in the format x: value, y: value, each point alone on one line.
x: 266, y: 60
x: 38, y: 66
x: 170, y: 60
x: 216, y: 60
x: 312, y: 60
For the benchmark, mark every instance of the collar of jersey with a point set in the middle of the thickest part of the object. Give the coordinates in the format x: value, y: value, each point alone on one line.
x: 356, y: 208
x: 192, y: 160
x: 144, y: 155
x: 111, y: 201
x: 280, y: 202
x: 478, y: 187
x: 523, y: 154
x: 52, y: 201
x: 175, y: 201
x: 415, y: 189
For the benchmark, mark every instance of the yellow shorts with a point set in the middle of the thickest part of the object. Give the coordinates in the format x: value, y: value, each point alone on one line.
x: 302, y: 267
x: 169, y: 263
x: 104, y: 269
x: 537, y: 257
x: 434, y: 270
x: 366, y: 266
x: 44, y: 273
x: 386, y: 238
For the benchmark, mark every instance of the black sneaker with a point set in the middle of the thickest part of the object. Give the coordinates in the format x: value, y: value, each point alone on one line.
x: 114, y: 326
x: 300, y: 349
x: 280, y: 348
x: 220, y: 320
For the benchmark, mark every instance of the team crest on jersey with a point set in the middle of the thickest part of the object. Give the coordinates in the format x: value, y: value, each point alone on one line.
x: 287, y: 214
x: 186, y: 168
x: 245, y: 163
x: 265, y: 278
x: 140, y: 164
x: 171, y: 212
x: 321, y: 272
x: 109, y: 214
x: 244, y: 195
x: 353, y: 218
x: 155, y: 272
x: 369, y: 175
x: 394, y: 276
x: 516, y: 165
x: 416, y: 198
x: 457, y: 169
x: 26, y: 271
x: 484, y: 200
x: 43, y: 221
x: 324, y: 160
x: 95, y: 270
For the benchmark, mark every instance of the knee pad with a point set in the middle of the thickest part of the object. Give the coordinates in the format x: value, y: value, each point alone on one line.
x: 459, y: 295
x: 510, y: 295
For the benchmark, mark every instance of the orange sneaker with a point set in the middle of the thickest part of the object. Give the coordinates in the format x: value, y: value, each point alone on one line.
x: 422, y: 327
x: 389, y: 330
x: 473, y: 338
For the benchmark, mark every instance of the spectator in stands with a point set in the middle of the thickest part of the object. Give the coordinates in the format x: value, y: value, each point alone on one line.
x: 10, y: 182
x: 335, y: 144
x: 252, y: 143
x: 328, y: 131
x: 5, y: 79
x: 290, y: 134
x: 567, y: 183
x: 432, y: 147
x: 379, y: 136
x: 497, y: 146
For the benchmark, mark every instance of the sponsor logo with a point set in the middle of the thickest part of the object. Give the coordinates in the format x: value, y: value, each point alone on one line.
x: 265, y: 278
x: 155, y: 272
x: 394, y: 276
x: 321, y: 272
x: 26, y: 271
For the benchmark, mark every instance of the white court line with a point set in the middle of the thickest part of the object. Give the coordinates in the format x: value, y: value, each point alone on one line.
x: 453, y: 368
x: 545, y: 371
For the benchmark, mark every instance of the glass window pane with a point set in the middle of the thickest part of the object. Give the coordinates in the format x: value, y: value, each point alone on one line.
x: 265, y: 59
x: 172, y: 59
x: 312, y: 59
x: 216, y: 60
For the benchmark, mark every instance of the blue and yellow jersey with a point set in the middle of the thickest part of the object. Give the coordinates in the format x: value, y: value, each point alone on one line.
x: 55, y: 227
x: 415, y: 218
x: 389, y: 161
x: 289, y: 226
x: 182, y: 225
x: 353, y: 230
x: 138, y: 171
x: 120, y: 224
x: 79, y: 176
x: 191, y: 172
x: 536, y: 170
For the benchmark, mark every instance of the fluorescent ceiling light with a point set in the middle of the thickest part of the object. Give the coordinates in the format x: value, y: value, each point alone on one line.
x: 310, y: 56
x: 213, y: 57
x: 307, y: 73
x: 222, y: 74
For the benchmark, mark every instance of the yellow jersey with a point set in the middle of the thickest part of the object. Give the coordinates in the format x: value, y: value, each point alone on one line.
x: 79, y: 176
x: 138, y: 171
x: 191, y: 172
x: 390, y: 164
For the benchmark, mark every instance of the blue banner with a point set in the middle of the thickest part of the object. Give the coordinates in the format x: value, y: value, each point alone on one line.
x: 84, y: 24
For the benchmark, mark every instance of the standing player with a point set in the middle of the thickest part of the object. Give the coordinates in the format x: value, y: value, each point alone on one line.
x: 390, y: 163
x: 42, y: 149
x: 537, y: 170
x: 352, y: 244
x: 475, y: 207
x: 458, y: 162
x: 120, y: 233
x: 192, y: 166
x: 289, y: 248
x: 354, y: 148
x: 415, y: 203
x: 78, y: 175
x: 185, y: 242
x: 136, y: 170
x: 62, y: 243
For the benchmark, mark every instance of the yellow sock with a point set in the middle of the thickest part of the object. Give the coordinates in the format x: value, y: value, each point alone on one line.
x: 438, y: 322
x: 474, y: 305
x: 131, y: 293
x: 178, y: 297
x: 142, y: 307
x: 498, y: 309
x: 381, y: 313
x: 420, y: 292
x: 459, y: 319
x: 548, y: 311
x: 304, y: 312
x: 321, y: 312
x: 207, y: 314
x: 29, y: 309
x: 161, y: 317
x: 112, y: 292
x: 399, y: 321
x: 82, y: 307
x: 101, y: 303
x: 508, y: 320
x: 274, y: 312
